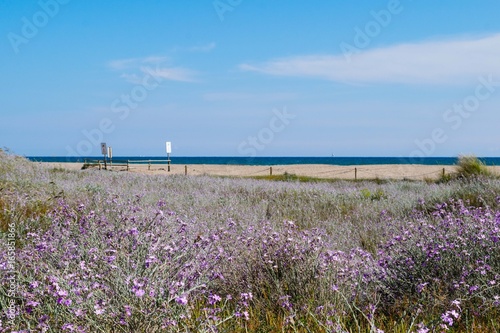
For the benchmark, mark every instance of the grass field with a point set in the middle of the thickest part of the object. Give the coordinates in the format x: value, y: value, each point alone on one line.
x: 101, y: 251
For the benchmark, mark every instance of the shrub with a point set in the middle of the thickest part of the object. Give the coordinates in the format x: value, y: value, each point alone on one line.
x: 471, y: 166
x: 432, y: 263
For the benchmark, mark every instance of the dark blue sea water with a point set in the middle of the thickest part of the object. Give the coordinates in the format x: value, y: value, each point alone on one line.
x: 239, y: 160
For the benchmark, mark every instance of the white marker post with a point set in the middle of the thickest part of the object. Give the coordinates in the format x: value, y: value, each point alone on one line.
x: 168, y: 145
x: 110, y: 155
x: 104, y: 152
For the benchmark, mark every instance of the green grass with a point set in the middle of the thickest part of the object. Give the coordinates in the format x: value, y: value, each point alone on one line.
x: 469, y: 166
x: 291, y: 177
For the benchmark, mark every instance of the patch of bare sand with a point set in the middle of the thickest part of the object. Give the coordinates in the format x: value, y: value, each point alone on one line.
x: 386, y: 171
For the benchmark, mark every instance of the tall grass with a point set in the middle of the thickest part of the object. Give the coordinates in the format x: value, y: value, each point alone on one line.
x: 120, y: 252
x: 471, y: 166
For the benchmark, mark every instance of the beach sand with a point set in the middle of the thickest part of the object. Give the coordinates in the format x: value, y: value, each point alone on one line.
x: 395, y: 171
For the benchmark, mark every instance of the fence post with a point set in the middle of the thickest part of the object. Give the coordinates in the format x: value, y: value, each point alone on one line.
x: 443, y: 172
x: 185, y: 170
x: 355, y: 173
x: 149, y: 165
x: 270, y: 171
x: 128, y: 166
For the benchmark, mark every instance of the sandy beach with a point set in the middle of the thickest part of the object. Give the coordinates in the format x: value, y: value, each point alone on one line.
x: 388, y: 171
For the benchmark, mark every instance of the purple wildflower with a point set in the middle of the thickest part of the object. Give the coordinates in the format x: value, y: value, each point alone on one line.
x: 213, y: 299
x: 445, y: 317
x: 182, y: 300
x: 139, y: 293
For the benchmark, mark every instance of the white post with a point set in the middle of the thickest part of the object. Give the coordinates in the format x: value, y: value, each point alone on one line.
x: 168, y: 145
x: 110, y: 154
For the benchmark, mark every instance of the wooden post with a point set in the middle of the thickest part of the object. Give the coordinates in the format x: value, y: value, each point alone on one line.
x: 149, y: 165
x: 270, y: 171
x: 185, y: 170
x: 128, y: 168
x: 168, y: 161
x: 443, y: 172
x: 355, y: 173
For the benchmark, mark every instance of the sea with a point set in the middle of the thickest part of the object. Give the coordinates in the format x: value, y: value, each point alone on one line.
x: 241, y: 160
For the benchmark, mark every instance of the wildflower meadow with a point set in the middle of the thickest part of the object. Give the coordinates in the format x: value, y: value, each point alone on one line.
x: 108, y: 251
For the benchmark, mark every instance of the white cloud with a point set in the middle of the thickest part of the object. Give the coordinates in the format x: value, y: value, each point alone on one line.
x: 130, y: 63
x: 134, y: 69
x: 203, y: 48
x: 171, y: 73
x: 121, y: 64
x: 132, y: 78
x: 154, y: 60
x: 432, y: 62
x: 239, y: 96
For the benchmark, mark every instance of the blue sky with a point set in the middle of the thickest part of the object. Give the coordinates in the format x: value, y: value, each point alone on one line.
x: 250, y: 78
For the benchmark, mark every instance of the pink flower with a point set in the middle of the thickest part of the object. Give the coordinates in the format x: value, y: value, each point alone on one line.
x: 32, y: 304
x: 445, y: 317
x: 454, y: 313
x: 423, y: 329
x: 247, y: 296
x: 139, y: 293
x: 62, y: 293
x: 98, y: 310
x: 66, y: 301
x: 128, y: 311
x: 79, y: 312
x: 68, y: 327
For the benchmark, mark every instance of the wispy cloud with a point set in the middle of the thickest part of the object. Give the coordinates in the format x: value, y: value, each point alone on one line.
x: 455, y: 61
x: 121, y: 64
x: 171, y: 73
x: 131, y: 78
x: 203, y: 48
x: 240, y: 96
x: 134, y: 69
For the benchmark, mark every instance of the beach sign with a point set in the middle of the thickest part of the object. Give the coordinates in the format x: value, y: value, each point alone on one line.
x: 104, y: 149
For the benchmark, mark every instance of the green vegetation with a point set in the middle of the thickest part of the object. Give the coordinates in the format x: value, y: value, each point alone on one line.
x: 123, y: 252
x: 471, y: 166
x: 468, y: 167
x: 290, y: 177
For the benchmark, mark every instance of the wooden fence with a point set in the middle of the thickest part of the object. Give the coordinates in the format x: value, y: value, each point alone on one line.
x: 360, y: 172
x: 102, y: 164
